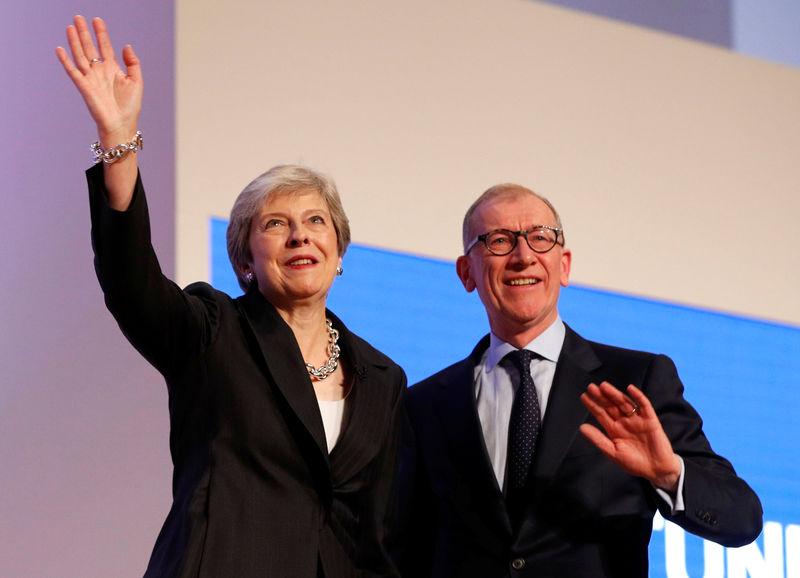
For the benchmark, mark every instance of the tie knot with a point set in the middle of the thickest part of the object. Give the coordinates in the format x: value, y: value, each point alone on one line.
x: 521, y: 358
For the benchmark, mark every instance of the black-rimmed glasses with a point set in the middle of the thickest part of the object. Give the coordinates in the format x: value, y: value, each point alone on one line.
x: 502, y: 241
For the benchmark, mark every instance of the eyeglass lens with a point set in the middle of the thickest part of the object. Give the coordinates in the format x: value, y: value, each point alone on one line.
x: 503, y: 241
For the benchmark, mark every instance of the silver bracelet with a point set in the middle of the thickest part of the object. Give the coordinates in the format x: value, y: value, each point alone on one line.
x: 113, y: 154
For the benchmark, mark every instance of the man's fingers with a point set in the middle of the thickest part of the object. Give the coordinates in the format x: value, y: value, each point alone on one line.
x: 623, y: 405
x: 645, y: 407
x: 597, y: 437
x: 599, y: 411
x: 589, y: 399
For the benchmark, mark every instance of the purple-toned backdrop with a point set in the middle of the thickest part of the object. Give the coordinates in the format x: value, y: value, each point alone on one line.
x: 83, y: 420
x: 708, y: 21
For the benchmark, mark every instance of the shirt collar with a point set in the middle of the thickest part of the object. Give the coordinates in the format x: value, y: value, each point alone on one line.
x: 547, y: 345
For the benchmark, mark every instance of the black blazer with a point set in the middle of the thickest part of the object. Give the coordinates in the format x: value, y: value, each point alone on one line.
x: 583, y: 516
x: 255, y: 492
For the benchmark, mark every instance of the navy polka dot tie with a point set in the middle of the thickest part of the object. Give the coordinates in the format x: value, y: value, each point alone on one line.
x: 523, y: 428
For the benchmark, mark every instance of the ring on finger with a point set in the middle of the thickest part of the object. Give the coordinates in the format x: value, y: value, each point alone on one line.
x: 96, y: 59
x: 634, y: 411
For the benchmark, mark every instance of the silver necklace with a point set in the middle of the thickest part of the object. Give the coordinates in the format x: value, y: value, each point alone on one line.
x: 333, y: 361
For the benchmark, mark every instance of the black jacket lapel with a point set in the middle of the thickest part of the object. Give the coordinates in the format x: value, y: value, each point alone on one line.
x: 477, y: 486
x: 364, y: 427
x: 284, y: 362
x: 565, y: 412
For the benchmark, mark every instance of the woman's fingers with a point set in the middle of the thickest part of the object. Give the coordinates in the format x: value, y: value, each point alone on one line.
x: 65, y: 60
x: 132, y: 67
x: 85, y: 38
x: 76, y: 49
x: 112, y: 96
x: 82, y: 46
x: 76, y: 75
x: 103, y: 40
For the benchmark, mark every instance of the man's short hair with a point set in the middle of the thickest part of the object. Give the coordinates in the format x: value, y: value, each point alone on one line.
x: 503, y: 190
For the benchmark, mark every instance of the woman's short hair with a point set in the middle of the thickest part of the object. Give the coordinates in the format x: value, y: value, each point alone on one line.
x: 504, y: 190
x: 279, y: 180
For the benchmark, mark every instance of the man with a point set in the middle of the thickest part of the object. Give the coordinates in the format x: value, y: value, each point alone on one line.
x: 497, y: 481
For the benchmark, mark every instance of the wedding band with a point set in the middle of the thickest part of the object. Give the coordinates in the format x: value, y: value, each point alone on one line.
x: 634, y: 411
x: 93, y: 60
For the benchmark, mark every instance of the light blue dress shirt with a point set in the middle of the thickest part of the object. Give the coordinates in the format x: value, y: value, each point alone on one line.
x: 494, y: 383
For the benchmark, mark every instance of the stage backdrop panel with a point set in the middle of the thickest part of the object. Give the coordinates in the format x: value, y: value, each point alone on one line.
x: 673, y: 162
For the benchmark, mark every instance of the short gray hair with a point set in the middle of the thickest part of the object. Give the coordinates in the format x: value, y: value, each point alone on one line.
x: 280, y: 179
x: 504, y: 190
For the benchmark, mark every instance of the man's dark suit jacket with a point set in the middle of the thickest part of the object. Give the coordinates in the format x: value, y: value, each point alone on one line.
x: 584, y: 516
x: 255, y: 492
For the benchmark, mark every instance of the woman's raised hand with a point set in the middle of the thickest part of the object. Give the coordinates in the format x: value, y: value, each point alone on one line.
x: 112, y: 95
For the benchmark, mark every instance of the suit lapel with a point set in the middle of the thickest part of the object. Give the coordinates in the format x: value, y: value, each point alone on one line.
x: 284, y: 362
x: 564, y: 415
x: 367, y: 409
x: 565, y: 412
x: 476, y: 485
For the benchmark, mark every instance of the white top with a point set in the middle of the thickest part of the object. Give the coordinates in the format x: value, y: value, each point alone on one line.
x: 332, y: 414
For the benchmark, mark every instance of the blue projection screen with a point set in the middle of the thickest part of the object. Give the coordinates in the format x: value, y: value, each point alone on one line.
x: 739, y: 373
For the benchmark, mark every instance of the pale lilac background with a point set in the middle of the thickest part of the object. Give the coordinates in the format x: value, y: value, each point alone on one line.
x: 85, y: 472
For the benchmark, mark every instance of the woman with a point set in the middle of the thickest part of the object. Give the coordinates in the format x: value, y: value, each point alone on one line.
x: 284, y: 425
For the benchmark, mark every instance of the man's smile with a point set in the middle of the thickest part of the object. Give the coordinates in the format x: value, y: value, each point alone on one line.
x: 523, y: 281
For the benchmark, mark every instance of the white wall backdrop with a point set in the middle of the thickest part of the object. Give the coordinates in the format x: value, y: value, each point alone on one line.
x: 673, y: 162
